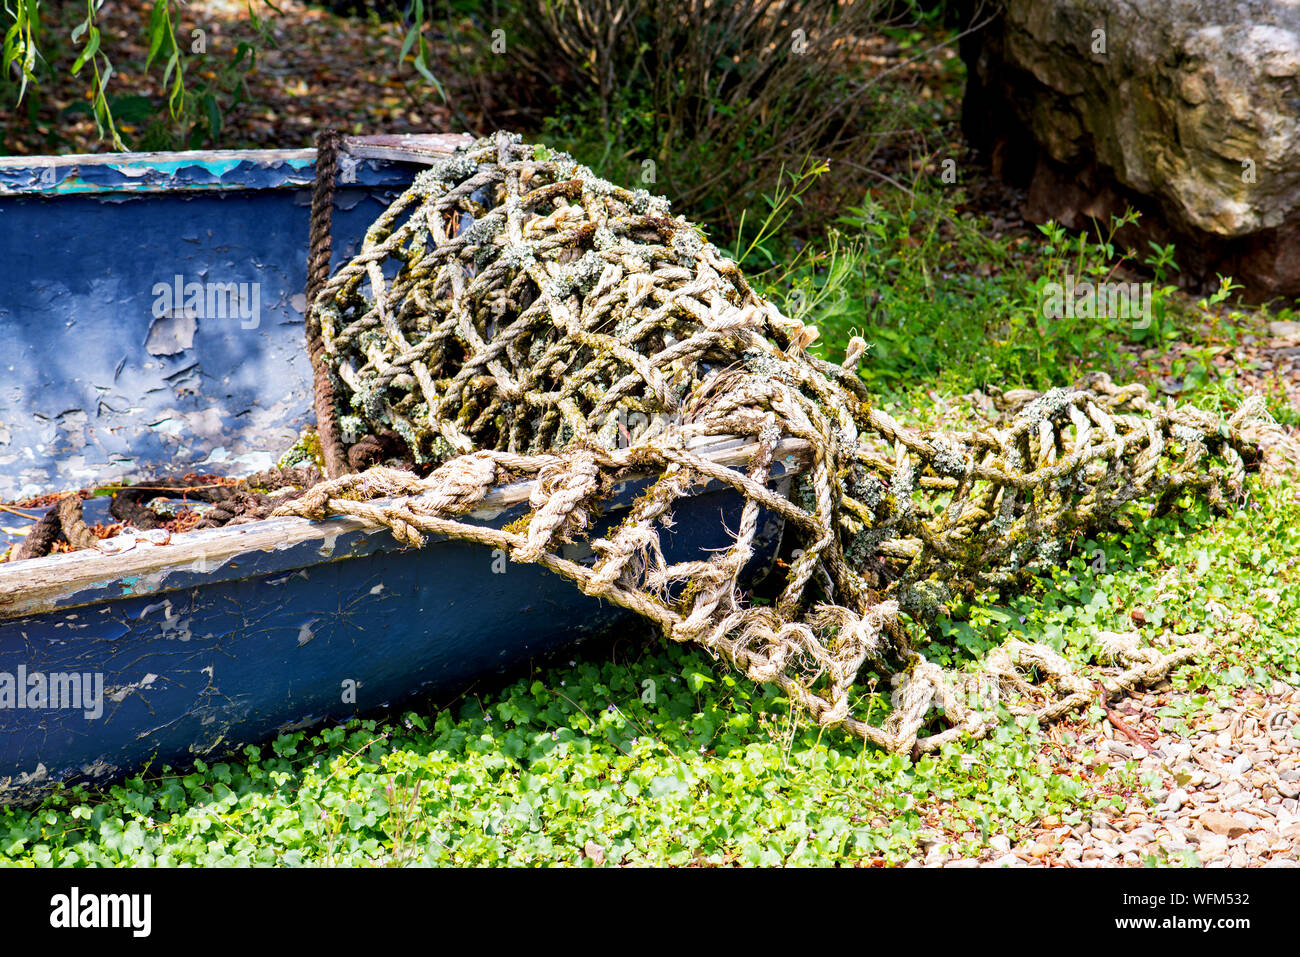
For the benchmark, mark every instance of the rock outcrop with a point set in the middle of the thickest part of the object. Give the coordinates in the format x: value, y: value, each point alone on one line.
x: 1187, y: 110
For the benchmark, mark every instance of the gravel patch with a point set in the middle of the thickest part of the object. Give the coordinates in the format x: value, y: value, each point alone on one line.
x: 1227, y: 795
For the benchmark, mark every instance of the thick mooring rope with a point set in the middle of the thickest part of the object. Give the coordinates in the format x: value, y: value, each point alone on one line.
x: 511, y: 316
x: 319, y: 251
x: 63, y: 520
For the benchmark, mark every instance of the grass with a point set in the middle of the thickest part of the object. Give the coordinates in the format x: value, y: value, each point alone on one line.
x: 545, y: 772
x: 947, y: 305
x: 663, y: 758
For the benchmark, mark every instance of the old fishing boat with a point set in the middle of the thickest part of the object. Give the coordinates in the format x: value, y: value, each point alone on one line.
x: 151, y: 310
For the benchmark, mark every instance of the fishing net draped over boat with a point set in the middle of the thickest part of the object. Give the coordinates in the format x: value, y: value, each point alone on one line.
x: 511, y: 316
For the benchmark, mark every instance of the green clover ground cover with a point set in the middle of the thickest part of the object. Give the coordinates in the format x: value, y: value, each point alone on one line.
x: 583, y: 762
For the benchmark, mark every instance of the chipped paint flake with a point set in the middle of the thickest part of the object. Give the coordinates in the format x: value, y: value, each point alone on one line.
x: 118, y: 695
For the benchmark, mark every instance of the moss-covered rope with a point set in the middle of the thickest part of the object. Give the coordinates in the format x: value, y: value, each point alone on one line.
x: 513, y: 316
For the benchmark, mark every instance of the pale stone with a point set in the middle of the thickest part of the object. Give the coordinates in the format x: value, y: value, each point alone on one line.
x: 1190, y: 104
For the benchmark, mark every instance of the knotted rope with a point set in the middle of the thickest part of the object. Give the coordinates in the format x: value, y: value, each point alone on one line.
x: 511, y: 316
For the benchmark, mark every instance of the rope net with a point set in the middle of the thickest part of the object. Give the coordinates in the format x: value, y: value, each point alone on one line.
x: 513, y: 317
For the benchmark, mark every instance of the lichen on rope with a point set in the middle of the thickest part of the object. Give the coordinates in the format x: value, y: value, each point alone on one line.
x: 511, y: 316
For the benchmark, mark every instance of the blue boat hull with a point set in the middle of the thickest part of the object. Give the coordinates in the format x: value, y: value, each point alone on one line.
x: 221, y: 638
x: 288, y: 639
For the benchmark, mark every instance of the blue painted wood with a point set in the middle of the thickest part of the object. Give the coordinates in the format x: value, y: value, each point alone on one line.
x: 191, y: 659
x: 95, y: 385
